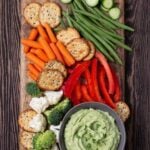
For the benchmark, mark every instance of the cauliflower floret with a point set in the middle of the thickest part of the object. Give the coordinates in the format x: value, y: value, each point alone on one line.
x: 39, y: 104
x: 38, y: 123
x: 56, y: 131
x: 53, y: 96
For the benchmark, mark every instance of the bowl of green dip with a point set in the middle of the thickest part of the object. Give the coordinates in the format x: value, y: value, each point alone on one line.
x: 92, y: 126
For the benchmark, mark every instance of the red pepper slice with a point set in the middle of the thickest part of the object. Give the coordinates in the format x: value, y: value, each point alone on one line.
x: 105, y: 64
x: 78, y: 91
x: 117, y: 95
x: 74, y: 77
x: 94, y: 73
x: 102, y: 83
x: 87, y: 76
x: 86, y: 96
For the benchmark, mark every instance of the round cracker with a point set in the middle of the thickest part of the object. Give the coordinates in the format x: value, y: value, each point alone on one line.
x: 56, y: 65
x: 50, y: 80
x: 91, y: 53
x: 24, y: 118
x: 50, y: 13
x: 26, y: 139
x: 79, y: 48
x: 67, y: 35
x: 31, y: 14
x: 123, y: 110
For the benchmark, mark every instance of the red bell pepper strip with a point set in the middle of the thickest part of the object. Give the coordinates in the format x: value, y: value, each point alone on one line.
x: 105, y: 64
x: 74, y: 77
x: 104, y: 91
x: 86, y: 96
x: 94, y: 73
x: 87, y: 76
x: 78, y: 91
x: 117, y: 95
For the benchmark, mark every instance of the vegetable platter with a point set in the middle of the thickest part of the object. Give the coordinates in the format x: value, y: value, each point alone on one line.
x: 71, y: 52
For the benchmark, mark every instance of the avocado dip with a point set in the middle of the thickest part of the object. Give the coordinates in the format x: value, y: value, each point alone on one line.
x: 90, y: 129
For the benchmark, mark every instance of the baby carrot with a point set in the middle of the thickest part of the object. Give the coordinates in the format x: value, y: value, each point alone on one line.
x: 32, y: 76
x: 31, y: 43
x: 35, y: 60
x: 66, y: 55
x: 47, y: 48
x: 56, y: 52
x: 41, y: 55
x: 50, y: 33
x: 33, y: 70
x: 38, y: 67
x: 32, y: 36
x: 32, y: 50
x: 43, y: 33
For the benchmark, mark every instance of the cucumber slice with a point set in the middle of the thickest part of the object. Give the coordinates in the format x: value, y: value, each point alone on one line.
x: 114, y: 13
x: 66, y: 1
x: 104, y: 9
x: 108, y: 3
x: 92, y: 3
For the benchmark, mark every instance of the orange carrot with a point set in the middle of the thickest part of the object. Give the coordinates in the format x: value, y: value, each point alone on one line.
x: 33, y: 70
x: 31, y: 43
x: 32, y: 36
x: 32, y: 76
x: 38, y: 67
x: 66, y: 55
x: 32, y: 50
x: 50, y: 33
x: 56, y: 52
x: 35, y: 60
x: 47, y: 48
x: 43, y: 33
x: 40, y: 53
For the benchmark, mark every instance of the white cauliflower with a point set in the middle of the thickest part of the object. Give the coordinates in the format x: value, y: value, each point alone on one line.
x: 39, y: 104
x: 38, y: 123
x: 53, y: 96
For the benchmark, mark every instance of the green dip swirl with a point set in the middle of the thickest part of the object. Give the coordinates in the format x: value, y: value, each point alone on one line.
x: 90, y: 129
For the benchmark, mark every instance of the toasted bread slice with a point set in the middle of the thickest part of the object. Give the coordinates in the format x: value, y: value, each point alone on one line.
x: 66, y: 36
x: 123, y: 110
x: 79, y: 48
x: 31, y: 14
x: 26, y: 139
x: 50, y: 80
x: 56, y: 65
x: 50, y: 13
x: 24, y: 119
x: 91, y: 53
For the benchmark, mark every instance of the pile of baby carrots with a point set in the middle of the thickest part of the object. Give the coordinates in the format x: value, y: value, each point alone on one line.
x: 42, y: 46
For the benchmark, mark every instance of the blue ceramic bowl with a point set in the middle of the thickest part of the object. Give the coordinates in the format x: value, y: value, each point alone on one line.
x: 97, y: 106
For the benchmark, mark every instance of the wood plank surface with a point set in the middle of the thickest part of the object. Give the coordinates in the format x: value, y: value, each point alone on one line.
x: 137, y: 92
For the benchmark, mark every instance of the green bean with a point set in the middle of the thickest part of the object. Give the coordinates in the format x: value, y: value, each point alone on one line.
x: 87, y: 21
x: 97, y: 18
x: 107, y: 36
x: 106, y: 45
x: 96, y: 11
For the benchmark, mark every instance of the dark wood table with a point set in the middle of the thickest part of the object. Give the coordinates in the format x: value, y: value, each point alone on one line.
x: 137, y: 74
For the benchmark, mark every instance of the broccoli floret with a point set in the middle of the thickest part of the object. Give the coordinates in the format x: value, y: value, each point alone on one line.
x: 33, y: 90
x: 64, y: 106
x: 56, y: 114
x: 44, y: 141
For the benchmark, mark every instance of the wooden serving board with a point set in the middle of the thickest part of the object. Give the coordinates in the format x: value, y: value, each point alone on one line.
x: 25, y: 28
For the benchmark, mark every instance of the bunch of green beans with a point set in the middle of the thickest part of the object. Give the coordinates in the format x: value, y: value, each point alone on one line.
x: 99, y: 28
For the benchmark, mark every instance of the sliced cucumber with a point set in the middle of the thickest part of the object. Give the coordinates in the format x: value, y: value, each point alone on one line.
x: 92, y: 3
x: 108, y: 3
x: 104, y: 9
x: 114, y: 13
x: 66, y: 1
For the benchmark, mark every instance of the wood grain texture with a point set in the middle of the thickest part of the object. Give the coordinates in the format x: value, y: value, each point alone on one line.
x: 137, y: 74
